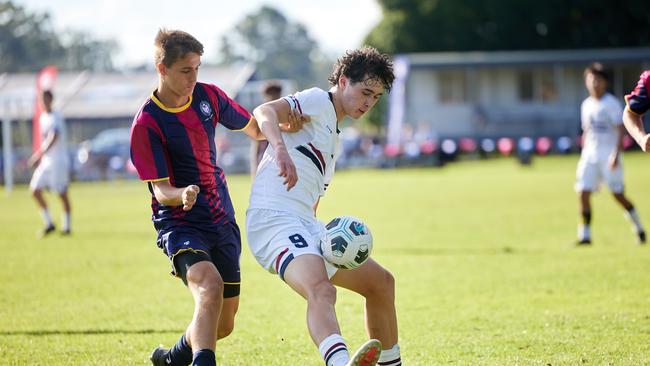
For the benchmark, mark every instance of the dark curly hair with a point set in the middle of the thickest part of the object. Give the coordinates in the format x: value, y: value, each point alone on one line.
x: 172, y: 45
x: 362, y: 64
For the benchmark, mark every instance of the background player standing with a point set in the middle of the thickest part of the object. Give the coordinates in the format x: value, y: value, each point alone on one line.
x: 601, y: 151
x: 270, y: 91
x: 283, y: 232
x: 52, y: 164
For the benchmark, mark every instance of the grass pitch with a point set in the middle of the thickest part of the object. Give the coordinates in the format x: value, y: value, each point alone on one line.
x: 481, y: 251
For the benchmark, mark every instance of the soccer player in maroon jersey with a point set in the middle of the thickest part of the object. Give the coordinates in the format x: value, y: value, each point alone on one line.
x: 173, y: 150
x: 638, y: 103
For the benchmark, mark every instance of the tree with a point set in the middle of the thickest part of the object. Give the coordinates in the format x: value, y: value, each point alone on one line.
x: 279, y: 49
x: 83, y: 52
x: 28, y: 43
x: 467, y: 25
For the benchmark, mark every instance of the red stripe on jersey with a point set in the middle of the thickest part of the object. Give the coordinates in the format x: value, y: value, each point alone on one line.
x: 200, y: 144
x: 320, y: 156
x: 297, y: 104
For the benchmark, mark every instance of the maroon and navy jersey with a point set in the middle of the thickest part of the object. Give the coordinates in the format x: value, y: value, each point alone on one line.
x: 639, y: 101
x: 179, y: 144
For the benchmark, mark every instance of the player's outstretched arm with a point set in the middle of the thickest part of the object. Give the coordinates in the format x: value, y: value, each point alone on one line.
x: 169, y: 195
x: 50, y: 139
x: 293, y: 123
x: 269, y: 116
x: 634, y: 125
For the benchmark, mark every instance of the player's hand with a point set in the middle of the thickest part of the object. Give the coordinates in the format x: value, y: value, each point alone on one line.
x: 294, y: 122
x: 189, y: 196
x: 287, y: 168
x: 645, y: 143
x: 613, y: 161
x: 34, y: 160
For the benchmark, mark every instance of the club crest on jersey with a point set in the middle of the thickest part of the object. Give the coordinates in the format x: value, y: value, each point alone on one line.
x: 205, y: 108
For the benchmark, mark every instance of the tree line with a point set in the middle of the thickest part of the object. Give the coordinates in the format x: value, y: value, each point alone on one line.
x: 28, y: 42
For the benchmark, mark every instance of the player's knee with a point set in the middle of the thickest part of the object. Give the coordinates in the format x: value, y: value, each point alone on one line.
x: 209, y: 285
x: 382, y: 286
x: 322, y: 291
x: 389, y: 283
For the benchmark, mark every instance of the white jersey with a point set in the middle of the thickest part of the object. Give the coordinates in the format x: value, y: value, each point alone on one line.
x: 56, y: 154
x: 600, y: 120
x: 314, y: 151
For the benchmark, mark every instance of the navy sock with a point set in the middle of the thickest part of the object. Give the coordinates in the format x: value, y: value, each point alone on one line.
x: 180, y: 354
x: 204, y: 357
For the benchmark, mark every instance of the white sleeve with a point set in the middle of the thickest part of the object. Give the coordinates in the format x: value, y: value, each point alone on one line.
x: 308, y: 102
x: 58, y: 123
x: 584, y: 119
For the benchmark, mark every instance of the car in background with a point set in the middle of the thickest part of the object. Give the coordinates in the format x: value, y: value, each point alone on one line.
x: 105, y: 157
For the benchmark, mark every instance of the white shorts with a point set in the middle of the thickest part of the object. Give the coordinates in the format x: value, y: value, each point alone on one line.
x: 591, y: 172
x: 51, y: 176
x: 277, y: 237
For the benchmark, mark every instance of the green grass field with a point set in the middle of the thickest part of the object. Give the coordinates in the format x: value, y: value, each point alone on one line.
x: 482, y: 253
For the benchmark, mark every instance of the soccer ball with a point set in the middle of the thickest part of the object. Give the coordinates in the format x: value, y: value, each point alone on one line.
x: 348, y: 243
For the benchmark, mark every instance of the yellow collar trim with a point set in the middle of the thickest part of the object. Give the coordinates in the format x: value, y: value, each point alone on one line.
x: 170, y: 110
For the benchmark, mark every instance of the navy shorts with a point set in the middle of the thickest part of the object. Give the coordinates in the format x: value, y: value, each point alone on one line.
x: 223, y: 246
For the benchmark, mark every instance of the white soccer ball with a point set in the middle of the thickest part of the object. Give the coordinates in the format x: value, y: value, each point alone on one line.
x: 348, y: 243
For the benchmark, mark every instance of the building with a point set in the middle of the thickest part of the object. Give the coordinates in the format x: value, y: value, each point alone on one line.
x: 505, y: 93
x: 94, y: 102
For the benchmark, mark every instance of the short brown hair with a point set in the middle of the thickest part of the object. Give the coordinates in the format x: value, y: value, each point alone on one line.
x: 172, y: 45
x: 364, y: 63
x: 597, y: 69
x: 272, y: 90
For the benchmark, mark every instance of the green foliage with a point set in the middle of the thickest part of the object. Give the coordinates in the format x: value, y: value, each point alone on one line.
x: 481, y: 253
x: 280, y: 49
x: 464, y: 25
x: 28, y: 43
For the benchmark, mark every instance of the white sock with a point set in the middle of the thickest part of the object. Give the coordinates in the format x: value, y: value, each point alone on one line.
x: 390, y: 357
x: 634, y: 218
x: 45, y: 214
x: 334, y: 350
x: 583, y: 231
x: 66, y: 221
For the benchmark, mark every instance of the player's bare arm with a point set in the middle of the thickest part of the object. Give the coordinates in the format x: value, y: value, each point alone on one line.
x: 169, y: 195
x: 293, y: 123
x: 50, y: 139
x: 634, y: 124
x: 269, y: 116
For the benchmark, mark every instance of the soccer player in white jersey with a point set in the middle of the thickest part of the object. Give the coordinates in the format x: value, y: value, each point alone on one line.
x: 602, y: 125
x: 283, y: 232
x: 52, y: 165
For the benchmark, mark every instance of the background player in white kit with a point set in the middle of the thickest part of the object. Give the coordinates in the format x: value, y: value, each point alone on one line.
x: 601, y: 116
x: 283, y: 232
x: 51, y: 162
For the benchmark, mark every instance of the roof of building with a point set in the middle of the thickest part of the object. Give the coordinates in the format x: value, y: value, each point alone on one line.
x: 104, y: 95
x: 523, y: 58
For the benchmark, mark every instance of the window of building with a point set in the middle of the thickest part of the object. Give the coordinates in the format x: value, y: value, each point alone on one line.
x: 452, y: 86
x: 525, y: 85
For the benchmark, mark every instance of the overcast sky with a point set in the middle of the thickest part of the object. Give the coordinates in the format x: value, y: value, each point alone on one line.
x: 337, y: 25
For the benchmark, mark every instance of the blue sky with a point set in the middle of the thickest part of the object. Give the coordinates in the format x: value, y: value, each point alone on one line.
x: 336, y: 25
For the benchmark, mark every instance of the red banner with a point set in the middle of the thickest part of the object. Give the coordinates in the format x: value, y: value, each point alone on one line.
x: 44, y: 81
